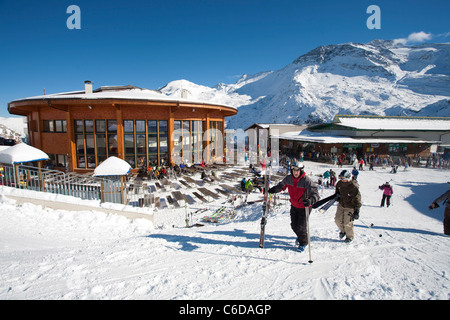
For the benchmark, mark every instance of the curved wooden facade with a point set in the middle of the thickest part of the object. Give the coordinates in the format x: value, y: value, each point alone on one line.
x: 79, y: 130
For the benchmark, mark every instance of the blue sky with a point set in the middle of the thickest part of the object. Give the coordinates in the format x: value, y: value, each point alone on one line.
x: 150, y: 43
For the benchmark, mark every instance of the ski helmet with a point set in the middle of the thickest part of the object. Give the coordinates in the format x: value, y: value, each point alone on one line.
x: 298, y: 165
x: 345, y: 174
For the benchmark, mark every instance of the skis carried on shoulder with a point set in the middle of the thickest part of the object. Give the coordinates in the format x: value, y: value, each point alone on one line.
x: 327, y: 205
x: 323, y: 201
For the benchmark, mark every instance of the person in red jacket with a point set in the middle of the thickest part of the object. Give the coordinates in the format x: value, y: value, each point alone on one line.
x: 303, y: 191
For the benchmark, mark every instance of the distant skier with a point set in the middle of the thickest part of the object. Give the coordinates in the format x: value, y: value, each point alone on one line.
x: 446, y: 199
x: 303, y: 192
x: 326, y: 176
x: 332, y: 178
x: 355, y: 173
x: 387, y: 193
x: 349, y: 205
x: 361, y: 164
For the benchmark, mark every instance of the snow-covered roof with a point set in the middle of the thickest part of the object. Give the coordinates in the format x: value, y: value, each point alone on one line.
x: 393, y: 123
x: 21, y: 153
x: 274, y: 125
x: 112, y: 166
x: 321, y: 137
x: 119, y: 92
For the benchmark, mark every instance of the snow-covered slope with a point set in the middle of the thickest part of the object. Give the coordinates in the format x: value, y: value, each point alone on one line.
x: 379, y: 77
x: 13, y: 127
x: 59, y: 254
x: 220, y: 94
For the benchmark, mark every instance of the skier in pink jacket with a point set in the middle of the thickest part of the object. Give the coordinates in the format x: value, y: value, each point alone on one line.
x: 387, y: 193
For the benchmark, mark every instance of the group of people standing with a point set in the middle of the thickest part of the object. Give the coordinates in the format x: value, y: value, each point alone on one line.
x: 303, y: 193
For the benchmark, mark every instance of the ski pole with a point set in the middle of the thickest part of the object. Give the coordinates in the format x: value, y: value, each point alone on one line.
x: 370, y: 227
x: 307, y: 210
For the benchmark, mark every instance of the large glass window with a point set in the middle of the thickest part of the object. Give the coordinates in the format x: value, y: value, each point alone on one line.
x: 187, y: 155
x: 163, y: 141
x: 216, y: 141
x: 78, y: 126
x: 95, y: 141
x: 88, y: 126
x: 129, y: 144
x: 197, y: 141
x: 146, y: 142
x: 113, y: 147
x: 189, y: 140
x: 112, y: 125
x: 128, y: 126
x: 101, y: 146
x: 141, y: 144
x: 79, y: 142
x: 100, y: 126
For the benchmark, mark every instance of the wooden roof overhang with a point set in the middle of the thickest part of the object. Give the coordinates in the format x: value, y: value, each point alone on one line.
x: 25, y: 106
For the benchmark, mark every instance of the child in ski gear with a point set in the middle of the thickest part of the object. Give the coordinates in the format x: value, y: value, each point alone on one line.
x: 303, y: 192
x: 243, y: 182
x: 387, y: 193
x: 446, y: 199
x: 248, y: 186
x: 349, y: 205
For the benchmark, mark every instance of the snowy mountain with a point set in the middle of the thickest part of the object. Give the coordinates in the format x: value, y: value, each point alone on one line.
x: 380, y: 77
x: 12, y: 128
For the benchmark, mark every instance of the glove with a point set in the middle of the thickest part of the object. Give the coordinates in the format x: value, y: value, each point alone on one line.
x: 356, y: 214
x: 434, y: 205
x: 307, y: 202
x: 271, y: 190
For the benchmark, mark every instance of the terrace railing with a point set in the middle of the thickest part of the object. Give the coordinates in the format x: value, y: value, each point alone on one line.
x: 83, y: 186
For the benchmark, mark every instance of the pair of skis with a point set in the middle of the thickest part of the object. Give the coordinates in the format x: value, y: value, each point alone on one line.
x: 325, y: 203
x: 266, y: 207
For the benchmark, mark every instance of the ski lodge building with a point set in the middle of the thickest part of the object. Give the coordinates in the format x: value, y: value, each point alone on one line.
x: 381, y: 135
x: 79, y: 130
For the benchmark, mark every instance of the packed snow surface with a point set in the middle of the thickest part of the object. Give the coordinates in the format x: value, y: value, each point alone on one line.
x: 58, y: 254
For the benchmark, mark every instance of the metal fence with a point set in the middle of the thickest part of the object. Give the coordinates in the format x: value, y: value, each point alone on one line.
x: 83, y: 186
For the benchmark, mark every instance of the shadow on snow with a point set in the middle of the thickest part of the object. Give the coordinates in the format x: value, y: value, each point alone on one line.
x: 237, y: 238
x: 423, y: 195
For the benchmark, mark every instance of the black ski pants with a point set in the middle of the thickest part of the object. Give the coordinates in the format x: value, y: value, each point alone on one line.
x: 298, y: 225
x: 387, y: 199
x: 447, y: 221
